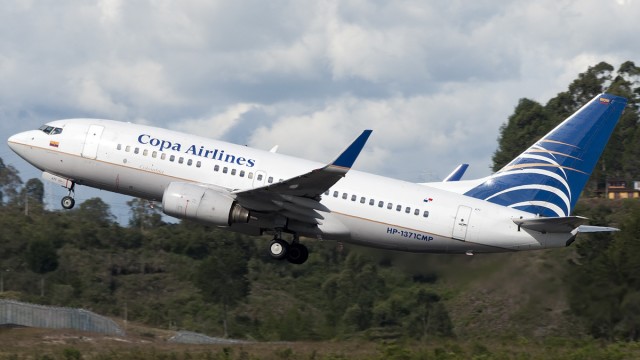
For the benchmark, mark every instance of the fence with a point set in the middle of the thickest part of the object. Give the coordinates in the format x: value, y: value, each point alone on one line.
x: 31, y: 315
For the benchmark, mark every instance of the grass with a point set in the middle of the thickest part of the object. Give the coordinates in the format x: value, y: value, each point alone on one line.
x: 44, y: 344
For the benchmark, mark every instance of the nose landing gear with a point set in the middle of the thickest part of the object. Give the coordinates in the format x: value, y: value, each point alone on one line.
x: 68, y: 201
x: 295, y: 252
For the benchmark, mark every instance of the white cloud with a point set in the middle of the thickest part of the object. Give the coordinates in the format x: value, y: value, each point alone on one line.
x: 433, y: 79
x: 216, y: 126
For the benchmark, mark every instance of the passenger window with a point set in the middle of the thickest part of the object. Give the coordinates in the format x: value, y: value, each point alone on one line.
x: 353, y: 198
x: 172, y: 158
x: 128, y: 148
x: 216, y: 168
x: 250, y: 176
x: 241, y: 173
x: 335, y: 194
x: 259, y: 178
x: 198, y: 164
x: 407, y: 210
x: 389, y: 206
x: 154, y: 154
x: 270, y: 179
x: 326, y: 192
x: 189, y: 162
x: 163, y: 156
x: 417, y: 212
x: 380, y: 204
x: 119, y: 147
x: 362, y: 200
x: 233, y: 171
x: 145, y: 152
x: 426, y: 213
x: 180, y: 160
x: 224, y: 170
x: 399, y: 208
x: 371, y: 202
x: 344, y: 196
x: 136, y: 151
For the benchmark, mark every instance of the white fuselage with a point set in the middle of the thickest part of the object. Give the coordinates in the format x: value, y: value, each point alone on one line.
x: 142, y: 161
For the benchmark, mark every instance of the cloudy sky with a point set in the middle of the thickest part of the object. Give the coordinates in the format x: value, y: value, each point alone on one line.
x: 433, y: 79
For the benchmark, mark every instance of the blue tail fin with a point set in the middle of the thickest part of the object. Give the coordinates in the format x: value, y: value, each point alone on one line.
x: 548, y: 177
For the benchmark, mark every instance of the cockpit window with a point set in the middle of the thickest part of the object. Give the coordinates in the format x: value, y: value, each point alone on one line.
x: 50, y: 130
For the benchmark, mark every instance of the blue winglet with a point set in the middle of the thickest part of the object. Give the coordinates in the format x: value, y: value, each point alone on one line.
x: 349, y: 156
x: 457, y: 173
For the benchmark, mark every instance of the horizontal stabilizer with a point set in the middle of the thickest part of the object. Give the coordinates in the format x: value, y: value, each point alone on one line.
x: 594, y: 229
x: 564, y: 224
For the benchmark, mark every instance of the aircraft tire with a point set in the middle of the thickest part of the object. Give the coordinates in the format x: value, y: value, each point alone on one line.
x: 278, y: 249
x: 297, y: 254
x: 68, y: 202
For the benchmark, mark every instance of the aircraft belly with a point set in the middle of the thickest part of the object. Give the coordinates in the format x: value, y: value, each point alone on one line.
x: 106, y: 176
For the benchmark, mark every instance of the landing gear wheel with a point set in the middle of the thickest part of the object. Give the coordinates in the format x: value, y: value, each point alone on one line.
x: 278, y: 249
x: 297, y: 253
x: 68, y: 202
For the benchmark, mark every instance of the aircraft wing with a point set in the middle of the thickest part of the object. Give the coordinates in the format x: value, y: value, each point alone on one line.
x: 298, y: 197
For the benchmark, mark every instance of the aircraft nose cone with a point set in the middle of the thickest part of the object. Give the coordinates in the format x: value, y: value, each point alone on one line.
x: 15, y: 141
x: 12, y: 142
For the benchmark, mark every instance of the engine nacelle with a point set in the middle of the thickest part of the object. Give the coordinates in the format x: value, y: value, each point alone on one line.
x: 195, y: 202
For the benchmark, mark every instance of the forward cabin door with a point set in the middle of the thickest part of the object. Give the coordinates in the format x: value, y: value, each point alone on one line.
x: 90, y: 149
x: 461, y: 224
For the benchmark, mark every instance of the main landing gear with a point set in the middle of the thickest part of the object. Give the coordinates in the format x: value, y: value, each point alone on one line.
x: 295, y: 252
x: 68, y: 201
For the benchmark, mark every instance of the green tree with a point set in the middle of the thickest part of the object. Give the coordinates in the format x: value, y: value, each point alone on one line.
x: 42, y: 258
x: 144, y: 215
x: 9, y: 183
x: 528, y: 123
x: 351, y: 294
x: 95, y: 210
x: 32, y: 195
x: 222, y: 277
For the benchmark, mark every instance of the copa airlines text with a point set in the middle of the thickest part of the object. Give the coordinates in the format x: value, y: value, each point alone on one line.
x: 526, y: 205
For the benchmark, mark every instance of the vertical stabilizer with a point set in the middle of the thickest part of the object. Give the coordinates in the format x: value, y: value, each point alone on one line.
x: 548, y: 177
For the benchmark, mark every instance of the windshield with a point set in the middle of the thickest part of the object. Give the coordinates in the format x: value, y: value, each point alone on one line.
x: 50, y: 130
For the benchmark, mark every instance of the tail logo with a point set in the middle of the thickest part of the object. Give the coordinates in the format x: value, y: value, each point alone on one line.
x: 547, y: 184
x: 549, y: 176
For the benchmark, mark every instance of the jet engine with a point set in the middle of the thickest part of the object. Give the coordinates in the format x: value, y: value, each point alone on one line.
x: 196, y: 202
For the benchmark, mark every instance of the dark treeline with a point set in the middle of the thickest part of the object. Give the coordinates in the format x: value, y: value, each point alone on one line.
x: 192, y: 277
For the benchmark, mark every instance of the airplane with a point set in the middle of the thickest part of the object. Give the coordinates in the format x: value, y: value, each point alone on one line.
x: 526, y: 205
